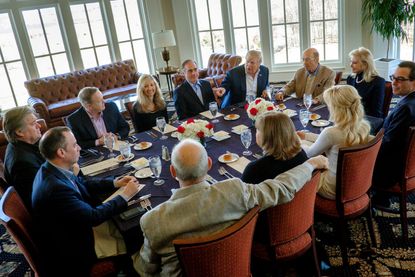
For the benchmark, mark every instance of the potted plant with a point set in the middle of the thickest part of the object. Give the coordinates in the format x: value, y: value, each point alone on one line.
x: 387, y: 17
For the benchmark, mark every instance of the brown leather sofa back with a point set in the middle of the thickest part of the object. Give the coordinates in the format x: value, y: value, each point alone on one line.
x: 56, y: 96
x: 218, y: 64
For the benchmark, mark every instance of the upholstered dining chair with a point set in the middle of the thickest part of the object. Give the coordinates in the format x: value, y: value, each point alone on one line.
x: 19, y: 223
x: 353, y: 182
x: 290, y: 228
x: 406, y: 183
x: 3, y: 182
x: 338, y: 77
x: 226, y: 253
x: 129, y: 107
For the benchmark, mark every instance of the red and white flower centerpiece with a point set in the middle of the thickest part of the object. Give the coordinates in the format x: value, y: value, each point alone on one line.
x: 196, y: 129
x: 258, y: 107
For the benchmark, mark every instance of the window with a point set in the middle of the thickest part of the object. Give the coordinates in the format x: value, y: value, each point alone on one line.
x: 128, y: 25
x: 406, y: 51
x: 245, y: 26
x: 12, y: 75
x: 91, y: 35
x: 209, y: 28
x: 44, y: 32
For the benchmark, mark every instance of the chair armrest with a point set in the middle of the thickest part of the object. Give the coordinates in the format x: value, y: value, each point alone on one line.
x: 178, y: 79
x: 203, y: 73
x: 40, y: 107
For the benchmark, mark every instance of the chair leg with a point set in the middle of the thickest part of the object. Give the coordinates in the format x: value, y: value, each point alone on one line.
x: 343, y: 242
x: 313, y: 245
x: 370, y: 225
x: 404, y: 216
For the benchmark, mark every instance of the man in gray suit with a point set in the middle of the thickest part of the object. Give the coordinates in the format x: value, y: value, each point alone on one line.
x: 199, y: 209
x: 313, y: 78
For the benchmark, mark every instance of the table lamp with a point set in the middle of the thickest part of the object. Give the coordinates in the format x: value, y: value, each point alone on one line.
x: 164, y: 39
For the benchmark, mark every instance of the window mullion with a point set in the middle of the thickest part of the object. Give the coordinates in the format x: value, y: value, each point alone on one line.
x: 8, y: 76
x: 109, y: 25
x: 90, y: 33
x: 46, y: 40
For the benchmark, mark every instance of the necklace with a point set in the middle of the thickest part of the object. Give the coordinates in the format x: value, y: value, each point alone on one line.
x: 357, y: 81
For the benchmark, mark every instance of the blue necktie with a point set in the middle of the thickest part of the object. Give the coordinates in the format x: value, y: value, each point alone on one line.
x: 198, y: 92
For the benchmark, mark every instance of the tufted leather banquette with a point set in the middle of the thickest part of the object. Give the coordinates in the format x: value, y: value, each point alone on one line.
x: 218, y: 66
x: 55, y: 97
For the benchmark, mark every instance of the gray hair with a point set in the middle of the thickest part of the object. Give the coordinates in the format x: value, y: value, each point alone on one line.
x: 85, y: 95
x: 254, y: 54
x: 13, y: 120
x: 193, y: 168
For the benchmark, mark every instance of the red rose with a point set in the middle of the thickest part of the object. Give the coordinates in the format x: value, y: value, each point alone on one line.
x: 258, y: 100
x: 181, y: 129
x: 190, y: 120
x: 209, y: 126
x: 270, y: 108
x: 246, y: 106
x: 253, y: 111
x: 200, y: 134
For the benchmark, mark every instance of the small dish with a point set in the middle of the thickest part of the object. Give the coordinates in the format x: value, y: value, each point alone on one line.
x: 175, y: 134
x: 228, y: 158
x: 139, y: 163
x: 314, y: 116
x: 143, y: 145
x: 320, y: 123
x: 143, y: 173
x: 232, y: 116
x: 121, y: 159
x: 221, y: 135
x: 281, y: 107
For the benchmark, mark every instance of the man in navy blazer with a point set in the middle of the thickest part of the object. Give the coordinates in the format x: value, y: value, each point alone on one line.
x: 252, y: 78
x: 91, y: 122
x: 390, y: 160
x: 194, y: 95
x: 65, y: 207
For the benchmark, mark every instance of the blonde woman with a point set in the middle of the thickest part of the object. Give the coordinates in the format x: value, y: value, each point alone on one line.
x: 275, y: 134
x: 350, y: 128
x: 366, y: 80
x: 149, y: 105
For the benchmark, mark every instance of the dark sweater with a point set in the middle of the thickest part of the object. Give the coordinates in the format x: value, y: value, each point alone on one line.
x: 145, y: 121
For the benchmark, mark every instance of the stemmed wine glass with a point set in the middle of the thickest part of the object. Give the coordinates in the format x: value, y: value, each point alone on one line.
x: 304, y: 118
x: 307, y: 100
x: 246, y: 139
x: 250, y: 98
x: 109, y: 142
x: 155, y: 166
x: 213, y: 108
x: 161, y: 124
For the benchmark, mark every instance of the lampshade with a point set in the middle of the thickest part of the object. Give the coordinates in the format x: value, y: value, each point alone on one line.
x: 163, y: 39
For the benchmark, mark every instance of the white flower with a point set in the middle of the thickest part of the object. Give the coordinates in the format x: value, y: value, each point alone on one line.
x: 195, y: 129
x: 258, y: 107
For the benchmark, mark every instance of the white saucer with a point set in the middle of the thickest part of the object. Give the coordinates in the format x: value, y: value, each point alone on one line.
x: 320, y: 123
x: 143, y: 145
x: 232, y: 116
x: 234, y: 158
x: 143, y: 173
x: 120, y: 158
x: 314, y: 116
x: 175, y: 134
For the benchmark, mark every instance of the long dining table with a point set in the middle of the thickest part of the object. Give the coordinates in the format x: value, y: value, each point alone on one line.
x: 162, y: 193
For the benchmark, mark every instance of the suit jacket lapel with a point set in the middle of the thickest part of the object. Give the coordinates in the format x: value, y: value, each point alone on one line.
x: 62, y: 177
x: 88, y: 124
x: 243, y: 82
x: 193, y: 95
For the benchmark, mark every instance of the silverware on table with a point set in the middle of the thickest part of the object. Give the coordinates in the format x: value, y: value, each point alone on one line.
x: 222, y: 171
x: 104, y: 170
x: 89, y: 162
x: 318, y: 107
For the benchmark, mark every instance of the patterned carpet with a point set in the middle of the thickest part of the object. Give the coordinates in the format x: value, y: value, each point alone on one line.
x: 392, y: 257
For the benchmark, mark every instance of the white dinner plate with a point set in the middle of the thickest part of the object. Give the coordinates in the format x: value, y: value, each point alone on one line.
x: 121, y: 159
x: 143, y: 173
x: 320, y: 123
x: 143, y: 145
x: 228, y: 158
x: 232, y: 116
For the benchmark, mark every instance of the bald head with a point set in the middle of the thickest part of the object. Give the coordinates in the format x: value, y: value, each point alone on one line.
x: 189, y: 160
x: 311, y: 59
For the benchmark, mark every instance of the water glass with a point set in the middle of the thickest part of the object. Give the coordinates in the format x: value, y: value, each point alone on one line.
x: 307, y: 100
x: 213, y: 108
x: 109, y: 141
x: 155, y: 167
x: 125, y: 150
x: 304, y: 118
x: 246, y: 139
x: 250, y: 98
x: 269, y: 93
x: 161, y: 124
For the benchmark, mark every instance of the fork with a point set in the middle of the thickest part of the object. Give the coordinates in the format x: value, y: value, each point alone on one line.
x: 224, y: 172
x: 100, y: 158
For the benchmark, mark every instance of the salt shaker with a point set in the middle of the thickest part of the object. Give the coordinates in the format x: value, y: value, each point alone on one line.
x: 165, y: 155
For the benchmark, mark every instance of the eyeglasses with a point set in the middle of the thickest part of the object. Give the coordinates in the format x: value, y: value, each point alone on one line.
x: 308, y: 59
x: 399, y: 79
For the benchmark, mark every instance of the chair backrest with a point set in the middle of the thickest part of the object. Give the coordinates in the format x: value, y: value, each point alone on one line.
x: 409, y: 173
x: 129, y: 107
x: 387, y: 99
x: 355, y: 167
x: 221, y: 63
x: 338, y: 77
x: 3, y: 182
x: 18, y: 222
x: 290, y: 220
x: 226, y: 253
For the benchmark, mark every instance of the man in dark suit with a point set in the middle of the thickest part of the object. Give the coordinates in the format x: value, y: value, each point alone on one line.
x: 95, y: 119
x: 194, y: 95
x: 389, y: 163
x: 248, y: 79
x: 65, y: 207
x: 22, y: 159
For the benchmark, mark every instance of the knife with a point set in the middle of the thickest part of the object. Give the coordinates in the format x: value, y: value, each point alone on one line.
x: 104, y: 170
x: 318, y: 107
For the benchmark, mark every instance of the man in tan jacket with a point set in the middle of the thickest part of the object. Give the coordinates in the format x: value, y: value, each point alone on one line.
x: 313, y: 78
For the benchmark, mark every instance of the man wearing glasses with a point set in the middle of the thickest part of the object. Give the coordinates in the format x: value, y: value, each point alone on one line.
x: 313, y: 78
x: 389, y: 163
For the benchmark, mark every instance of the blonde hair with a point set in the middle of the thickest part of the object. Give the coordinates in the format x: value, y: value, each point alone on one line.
x: 254, y: 54
x: 143, y: 100
x: 366, y: 58
x: 346, y: 110
x: 278, y: 135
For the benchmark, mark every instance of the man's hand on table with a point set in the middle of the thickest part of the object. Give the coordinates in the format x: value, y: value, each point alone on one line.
x: 131, y: 188
x: 319, y: 162
x: 219, y: 92
x: 279, y: 95
x: 123, y: 181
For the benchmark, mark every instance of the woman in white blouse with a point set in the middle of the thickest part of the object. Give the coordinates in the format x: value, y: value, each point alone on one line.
x: 350, y: 128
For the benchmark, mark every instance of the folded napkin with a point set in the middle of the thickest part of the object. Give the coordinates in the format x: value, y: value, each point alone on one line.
x: 117, y: 145
x: 120, y: 190
x: 240, y: 164
x: 290, y: 112
x: 139, y: 163
x: 221, y: 135
x: 169, y: 128
x: 239, y: 128
x: 90, y: 169
x: 208, y: 115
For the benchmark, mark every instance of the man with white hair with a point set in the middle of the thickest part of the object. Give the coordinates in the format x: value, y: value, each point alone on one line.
x: 199, y: 209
